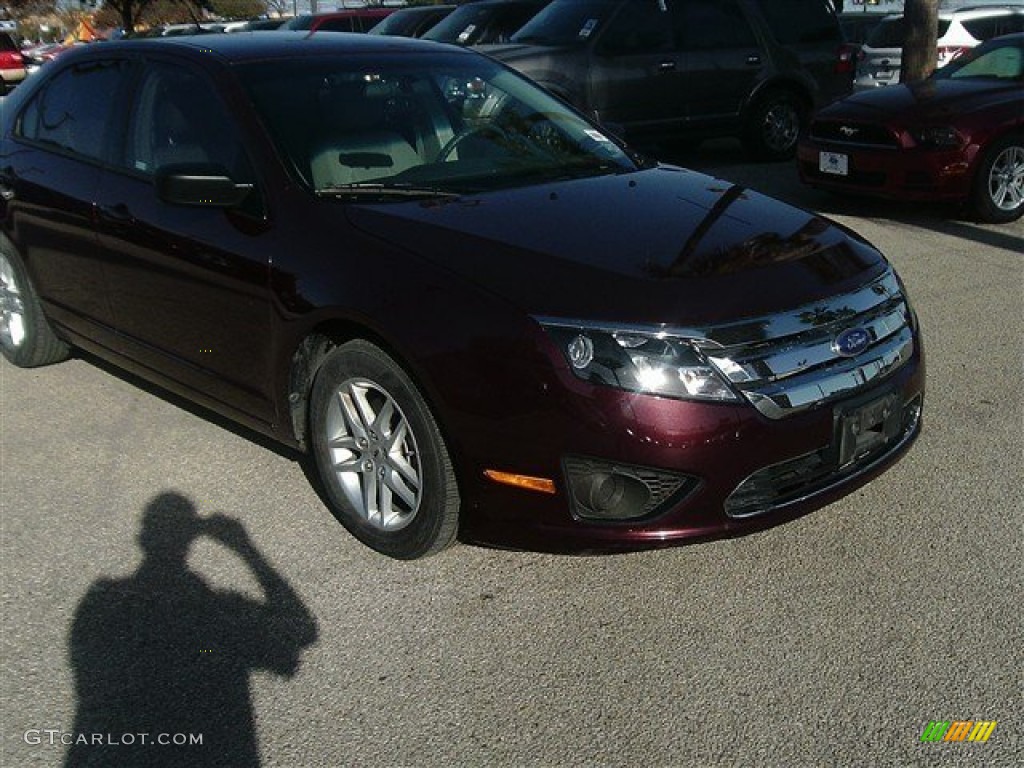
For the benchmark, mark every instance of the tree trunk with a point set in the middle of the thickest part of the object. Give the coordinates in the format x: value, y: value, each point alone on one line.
x: 920, y: 47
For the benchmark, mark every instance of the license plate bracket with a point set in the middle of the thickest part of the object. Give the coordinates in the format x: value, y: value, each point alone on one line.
x: 864, y: 429
x: 834, y: 163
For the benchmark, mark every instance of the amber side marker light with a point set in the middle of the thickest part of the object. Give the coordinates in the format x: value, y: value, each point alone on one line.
x: 539, y: 484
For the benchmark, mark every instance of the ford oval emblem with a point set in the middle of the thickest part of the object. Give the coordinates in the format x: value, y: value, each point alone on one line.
x: 851, y: 342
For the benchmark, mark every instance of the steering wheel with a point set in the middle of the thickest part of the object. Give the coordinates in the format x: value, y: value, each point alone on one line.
x: 472, y: 130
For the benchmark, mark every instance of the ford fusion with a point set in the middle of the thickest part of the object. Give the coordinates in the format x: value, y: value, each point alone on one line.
x: 480, y: 316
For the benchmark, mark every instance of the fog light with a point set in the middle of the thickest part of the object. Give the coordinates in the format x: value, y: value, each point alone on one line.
x: 601, y: 490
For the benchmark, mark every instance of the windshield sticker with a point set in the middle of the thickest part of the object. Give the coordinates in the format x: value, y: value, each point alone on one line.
x: 464, y: 34
x: 588, y: 28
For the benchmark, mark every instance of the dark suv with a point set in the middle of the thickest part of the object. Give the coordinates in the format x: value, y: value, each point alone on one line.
x: 753, y: 68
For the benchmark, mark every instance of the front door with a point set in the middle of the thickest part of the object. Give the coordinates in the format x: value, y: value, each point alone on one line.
x: 188, y: 284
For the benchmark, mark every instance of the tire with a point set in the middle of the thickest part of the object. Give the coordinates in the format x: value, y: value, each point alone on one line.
x: 774, y: 125
x: 380, y: 456
x: 26, y: 337
x: 998, y: 193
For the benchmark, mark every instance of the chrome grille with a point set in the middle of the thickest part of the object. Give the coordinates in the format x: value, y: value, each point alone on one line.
x: 787, y: 363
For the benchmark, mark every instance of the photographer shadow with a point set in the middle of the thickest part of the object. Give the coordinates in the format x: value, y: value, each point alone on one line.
x: 162, y: 661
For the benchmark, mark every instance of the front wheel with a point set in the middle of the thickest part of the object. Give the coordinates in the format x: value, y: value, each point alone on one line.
x: 998, y: 194
x: 773, y: 126
x: 380, y: 455
x: 26, y: 337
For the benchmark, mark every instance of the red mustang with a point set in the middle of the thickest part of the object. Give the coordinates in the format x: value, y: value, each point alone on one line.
x: 959, y: 135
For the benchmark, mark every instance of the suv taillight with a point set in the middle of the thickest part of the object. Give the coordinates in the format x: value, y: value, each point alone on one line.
x: 846, y: 58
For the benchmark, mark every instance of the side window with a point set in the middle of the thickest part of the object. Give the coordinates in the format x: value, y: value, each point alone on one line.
x: 638, y: 27
x: 802, y: 21
x: 344, y: 24
x: 74, y: 112
x: 712, y: 25
x: 180, y: 118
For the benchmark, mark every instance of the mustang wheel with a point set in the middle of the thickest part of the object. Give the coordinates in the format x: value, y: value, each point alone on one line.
x: 998, y: 194
x: 380, y: 454
x: 25, y: 334
x: 774, y: 125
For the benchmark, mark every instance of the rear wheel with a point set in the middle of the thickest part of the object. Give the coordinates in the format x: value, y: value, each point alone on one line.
x: 774, y: 124
x: 26, y: 337
x: 998, y: 194
x: 380, y: 455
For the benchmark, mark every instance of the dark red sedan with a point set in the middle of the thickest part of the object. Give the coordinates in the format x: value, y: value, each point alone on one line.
x: 959, y: 135
x: 481, y: 315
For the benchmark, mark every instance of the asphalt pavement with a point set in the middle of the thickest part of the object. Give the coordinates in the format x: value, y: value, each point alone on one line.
x: 833, y: 640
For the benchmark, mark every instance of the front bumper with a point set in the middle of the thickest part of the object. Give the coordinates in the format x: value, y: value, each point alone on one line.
x: 720, y: 447
x: 891, y: 173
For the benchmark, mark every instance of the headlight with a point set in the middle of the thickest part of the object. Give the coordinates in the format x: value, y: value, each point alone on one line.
x: 648, y: 361
x: 937, y: 136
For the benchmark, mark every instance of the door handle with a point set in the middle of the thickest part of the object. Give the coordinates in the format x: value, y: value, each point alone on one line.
x: 119, y: 213
x: 753, y: 60
x: 666, y: 66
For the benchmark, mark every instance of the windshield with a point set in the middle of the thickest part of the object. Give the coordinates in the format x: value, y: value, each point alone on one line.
x: 566, y: 22
x: 431, y: 125
x: 989, y: 62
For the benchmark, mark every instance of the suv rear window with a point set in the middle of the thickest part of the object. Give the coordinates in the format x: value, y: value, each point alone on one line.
x: 890, y: 33
x: 801, y: 21
x: 6, y: 43
x: 994, y: 26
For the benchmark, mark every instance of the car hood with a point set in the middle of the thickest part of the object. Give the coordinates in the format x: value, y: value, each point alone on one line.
x: 664, y: 245
x: 921, y: 102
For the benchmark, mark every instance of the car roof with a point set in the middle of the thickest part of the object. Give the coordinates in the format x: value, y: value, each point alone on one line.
x: 249, y: 46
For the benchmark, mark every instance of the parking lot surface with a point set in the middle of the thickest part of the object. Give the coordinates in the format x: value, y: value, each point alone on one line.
x: 833, y: 640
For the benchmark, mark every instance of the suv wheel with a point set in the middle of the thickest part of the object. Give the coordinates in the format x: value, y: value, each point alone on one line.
x: 774, y: 124
x: 998, y: 194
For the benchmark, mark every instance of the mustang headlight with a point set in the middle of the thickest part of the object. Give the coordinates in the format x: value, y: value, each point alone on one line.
x: 937, y: 136
x: 651, y: 362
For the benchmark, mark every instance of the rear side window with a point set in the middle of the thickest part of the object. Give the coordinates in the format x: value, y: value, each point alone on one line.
x: 6, y: 43
x: 74, y: 111
x: 802, y: 21
x: 994, y: 26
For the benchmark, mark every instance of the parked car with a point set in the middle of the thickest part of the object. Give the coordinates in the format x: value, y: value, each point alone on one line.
x: 345, y: 20
x: 412, y: 22
x: 958, y: 135
x: 12, y: 64
x: 484, y: 21
x: 480, y: 313
x: 879, y: 61
x: 753, y: 68
x: 38, y: 55
x: 266, y: 25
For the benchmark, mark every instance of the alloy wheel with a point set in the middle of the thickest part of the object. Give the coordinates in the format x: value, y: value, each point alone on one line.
x: 373, y: 453
x: 12, y: 306
x: 1006, y: 179
x: 781, y: 127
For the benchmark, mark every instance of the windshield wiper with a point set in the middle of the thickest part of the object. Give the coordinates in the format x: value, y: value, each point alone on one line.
x: 374, y: 189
